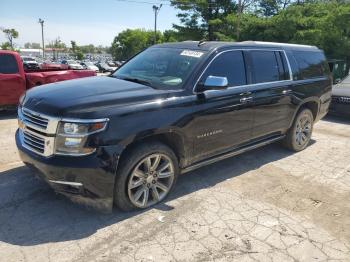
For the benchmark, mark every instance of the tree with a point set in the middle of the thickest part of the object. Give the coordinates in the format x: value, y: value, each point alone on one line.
x: 5, y: 46
x: 272, y: 7
x: 203, y: 19
x: 88, y: 49
x: 131, y: 41
x: 10, y: 35
x: 323, y: 24
x: 56, y: 45
x: 74, y: 46
x: 32, y: 45
x: 171, y: 36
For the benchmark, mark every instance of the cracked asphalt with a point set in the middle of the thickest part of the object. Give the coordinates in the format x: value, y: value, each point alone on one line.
x: 265, y: 205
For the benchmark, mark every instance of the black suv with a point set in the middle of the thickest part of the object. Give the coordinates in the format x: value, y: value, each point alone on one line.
x: 172, y: 108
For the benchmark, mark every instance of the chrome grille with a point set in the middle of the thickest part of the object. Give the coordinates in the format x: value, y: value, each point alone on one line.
x: 37, y: 131
x: 34, y: 119
x: 34, y: 142
x: 341, y: 100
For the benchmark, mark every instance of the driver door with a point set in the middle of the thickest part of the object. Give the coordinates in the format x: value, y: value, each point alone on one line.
x: 12, y: 83
x: 224, y: 118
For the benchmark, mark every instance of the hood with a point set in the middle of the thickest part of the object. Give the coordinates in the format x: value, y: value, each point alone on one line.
x: 72, y: 97
x: 341, y: 89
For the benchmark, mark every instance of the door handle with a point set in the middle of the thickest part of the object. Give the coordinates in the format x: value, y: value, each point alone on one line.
x: 248, y: 93
x: 245, y: 100
x: 286, y: 92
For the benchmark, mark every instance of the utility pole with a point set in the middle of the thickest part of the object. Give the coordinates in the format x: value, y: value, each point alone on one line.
x: 210, y: 27
x: 239, y: 15
x: 41, y: 22
x: 156, y: 10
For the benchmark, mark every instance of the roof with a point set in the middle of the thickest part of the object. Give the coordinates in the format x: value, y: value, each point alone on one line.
x: 211, y: 45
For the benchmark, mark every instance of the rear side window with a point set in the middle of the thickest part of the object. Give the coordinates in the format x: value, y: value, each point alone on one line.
x: 267, y: 66
x: 229, y: 64
x: 8, y: 64
x: 311, y: 64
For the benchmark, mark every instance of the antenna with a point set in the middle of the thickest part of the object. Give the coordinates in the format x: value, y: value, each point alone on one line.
x: 201, y: 42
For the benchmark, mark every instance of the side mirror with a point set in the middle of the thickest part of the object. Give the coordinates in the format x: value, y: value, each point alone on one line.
x: 213, y: 83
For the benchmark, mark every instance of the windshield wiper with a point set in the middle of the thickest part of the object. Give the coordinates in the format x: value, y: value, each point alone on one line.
x: 137, y: 80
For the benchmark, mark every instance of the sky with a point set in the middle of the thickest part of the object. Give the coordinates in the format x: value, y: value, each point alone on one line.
x: 87, y: 22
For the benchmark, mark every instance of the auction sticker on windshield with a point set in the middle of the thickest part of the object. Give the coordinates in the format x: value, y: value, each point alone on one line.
x: 192, y: 53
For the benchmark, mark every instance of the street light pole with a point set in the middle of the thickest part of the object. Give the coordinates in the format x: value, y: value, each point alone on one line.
x: 41, y: 22
x: 156, y: 10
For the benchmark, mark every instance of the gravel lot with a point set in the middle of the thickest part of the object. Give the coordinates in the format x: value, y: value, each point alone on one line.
x: 265, y: 205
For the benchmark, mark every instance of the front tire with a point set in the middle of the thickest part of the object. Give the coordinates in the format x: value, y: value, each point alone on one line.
x: 299, y: 135
x: 145, y: 176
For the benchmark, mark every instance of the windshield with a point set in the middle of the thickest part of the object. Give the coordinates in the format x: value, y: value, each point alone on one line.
x: 162, y: 68
x: 72, y: 62
x: 28, y: 59
x: 89, y: 63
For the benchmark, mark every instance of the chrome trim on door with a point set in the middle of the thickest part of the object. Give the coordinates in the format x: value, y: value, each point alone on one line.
x: 231, y: 154
x: 248, y: 85
x: 74, y: 184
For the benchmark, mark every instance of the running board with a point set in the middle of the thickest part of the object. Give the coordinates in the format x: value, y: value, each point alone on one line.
x: 231, y: 154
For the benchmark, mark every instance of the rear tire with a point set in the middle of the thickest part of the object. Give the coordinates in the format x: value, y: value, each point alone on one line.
x: 145, y: 176
x: 299, y: 135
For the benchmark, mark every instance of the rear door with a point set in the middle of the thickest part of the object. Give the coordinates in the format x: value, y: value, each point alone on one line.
x: 271, y: 92
x: 221, y: 120
x: 12, y: 83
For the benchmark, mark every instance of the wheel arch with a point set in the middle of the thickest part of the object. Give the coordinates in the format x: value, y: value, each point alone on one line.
x: 312, y: 103
x: 173, y: 139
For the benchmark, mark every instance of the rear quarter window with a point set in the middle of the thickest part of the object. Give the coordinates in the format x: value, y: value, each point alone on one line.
x: 267, y: 66
x: 311, y: 64
x: 8, y: 64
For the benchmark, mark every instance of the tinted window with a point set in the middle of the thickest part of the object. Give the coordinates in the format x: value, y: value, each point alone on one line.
x: 8, y: 64
x: 311, y: 64
x: 265, y: 66
x: 230, y: 65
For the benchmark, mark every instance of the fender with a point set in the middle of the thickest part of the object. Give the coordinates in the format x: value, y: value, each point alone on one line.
x: 173, y: 136
x: 313, y: 99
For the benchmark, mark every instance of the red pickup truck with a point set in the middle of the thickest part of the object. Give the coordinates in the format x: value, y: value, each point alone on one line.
x: 14, y: 81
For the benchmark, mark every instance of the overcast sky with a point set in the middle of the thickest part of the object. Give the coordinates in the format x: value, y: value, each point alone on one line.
x: 85, y: 21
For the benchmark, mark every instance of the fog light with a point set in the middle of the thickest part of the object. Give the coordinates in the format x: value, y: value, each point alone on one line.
x: 72, y: 142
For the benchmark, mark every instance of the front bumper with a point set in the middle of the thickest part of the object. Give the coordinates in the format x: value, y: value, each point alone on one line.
x: 87, y: 180
x: 340, y: 109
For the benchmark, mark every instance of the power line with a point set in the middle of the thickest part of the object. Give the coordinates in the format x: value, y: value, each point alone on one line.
x: 165, y: 2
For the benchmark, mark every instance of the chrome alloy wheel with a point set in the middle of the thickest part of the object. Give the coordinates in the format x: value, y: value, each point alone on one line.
x: 151, y: 180
x: 303, y: 130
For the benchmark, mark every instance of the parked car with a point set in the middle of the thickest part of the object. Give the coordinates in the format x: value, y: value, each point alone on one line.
x: 29, y: 63
x: 341, y: 98
x: 125, y: 138
x: 72, y: 64
x: 104, y: 67
x: 90, y: 66
x: 14, y: 81
x: 113, y: 65
x: 48, y: 65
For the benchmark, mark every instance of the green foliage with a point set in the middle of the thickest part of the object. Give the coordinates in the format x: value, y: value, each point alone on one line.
x: 10, y: 35
x: 202, y: 19
x: 32, y: 45
x: 6, y: 46
x: 79, y: 55
x: 324, y: 23
x: 74, y: 46
x: 130, y: 42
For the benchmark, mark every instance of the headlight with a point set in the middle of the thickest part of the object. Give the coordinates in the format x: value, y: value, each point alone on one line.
x: 72, y: 136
